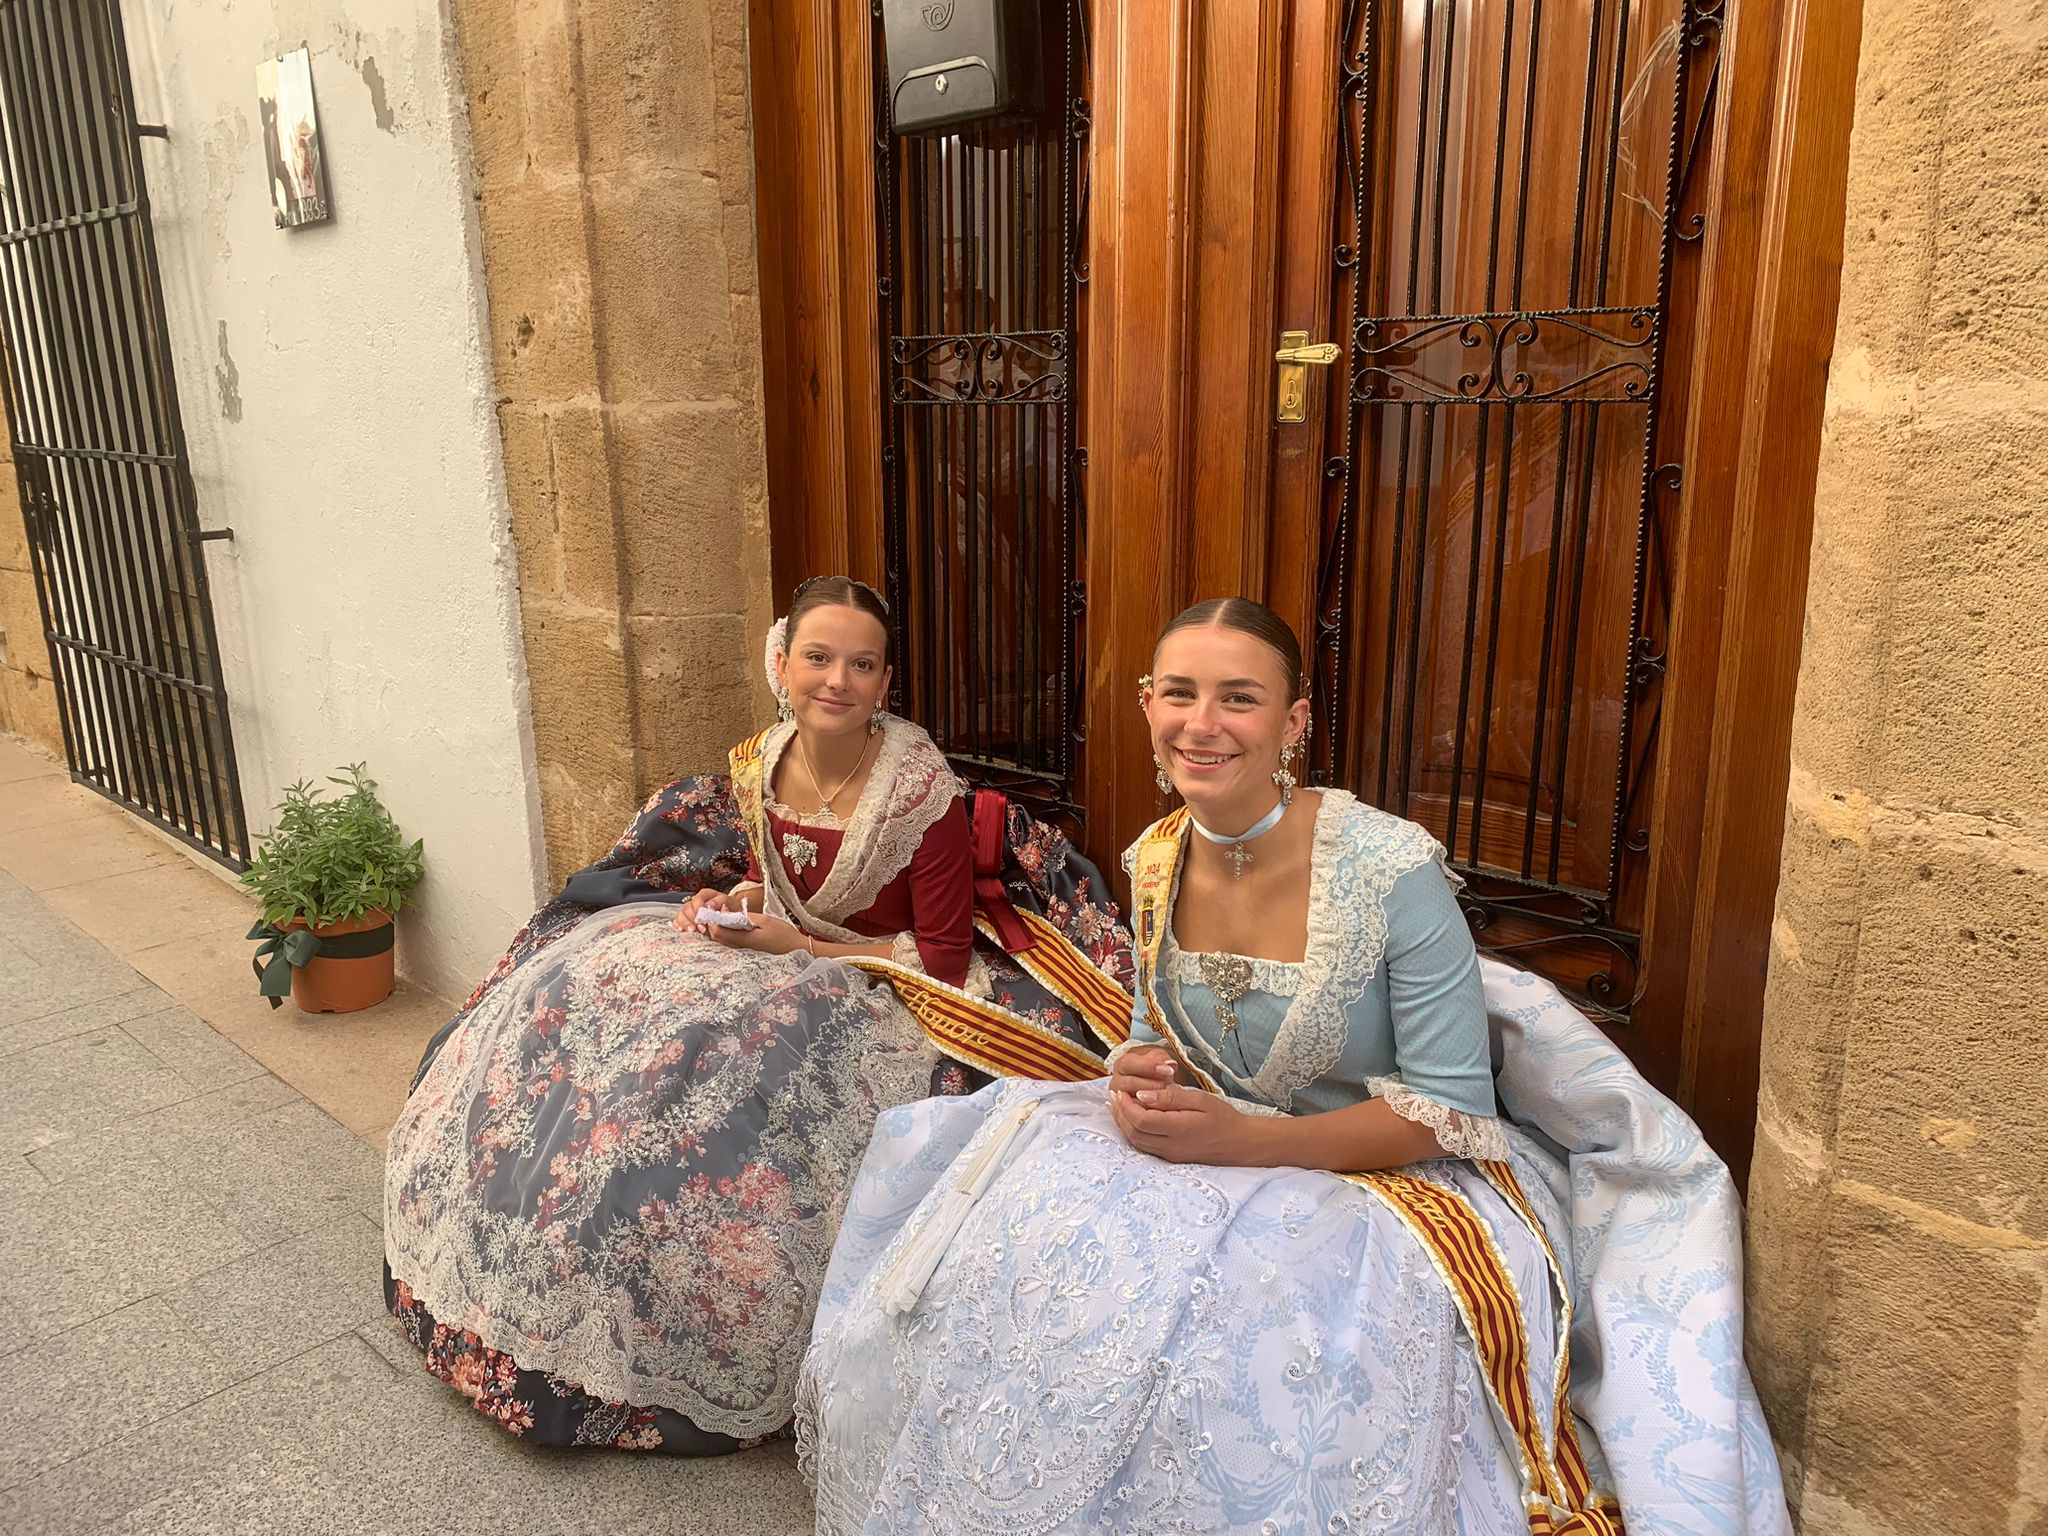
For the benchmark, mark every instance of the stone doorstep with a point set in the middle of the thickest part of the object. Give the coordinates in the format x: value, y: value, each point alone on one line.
x: 357, y: 1067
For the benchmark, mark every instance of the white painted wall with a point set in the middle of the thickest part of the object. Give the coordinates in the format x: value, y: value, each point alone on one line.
x: 338, y: 397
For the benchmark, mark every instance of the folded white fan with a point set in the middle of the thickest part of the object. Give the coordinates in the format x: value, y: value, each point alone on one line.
x: 900, y: 1285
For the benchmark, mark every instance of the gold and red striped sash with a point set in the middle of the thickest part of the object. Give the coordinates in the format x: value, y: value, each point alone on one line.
x: 1558, y: 1495
x: 967, y: 1028
x: 1557, y: 1487
x: 1060, y: 967
x: 980, y: 1033
x: 1575, y: 1480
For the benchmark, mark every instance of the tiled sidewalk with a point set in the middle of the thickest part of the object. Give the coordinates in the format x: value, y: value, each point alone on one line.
x: 190, y: 1205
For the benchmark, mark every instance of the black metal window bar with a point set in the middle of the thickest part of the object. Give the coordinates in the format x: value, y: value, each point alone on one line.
x: 980, y: 244
x: 1503, y: 457
x: 99, y: 446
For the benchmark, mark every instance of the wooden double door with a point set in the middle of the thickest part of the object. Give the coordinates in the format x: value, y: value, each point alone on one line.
x: 1540, y: 521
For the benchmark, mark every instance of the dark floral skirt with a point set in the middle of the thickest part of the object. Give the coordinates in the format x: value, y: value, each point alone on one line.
x: 542, y: 1408
x: 687, y: 837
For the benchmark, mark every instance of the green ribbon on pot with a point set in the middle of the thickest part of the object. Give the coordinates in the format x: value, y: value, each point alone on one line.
x: 281, y: 950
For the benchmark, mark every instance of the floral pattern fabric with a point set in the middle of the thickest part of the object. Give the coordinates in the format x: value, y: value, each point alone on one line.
x: 618, y: 1177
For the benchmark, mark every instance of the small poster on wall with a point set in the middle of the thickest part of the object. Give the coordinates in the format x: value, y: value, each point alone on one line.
x: 291, y: 139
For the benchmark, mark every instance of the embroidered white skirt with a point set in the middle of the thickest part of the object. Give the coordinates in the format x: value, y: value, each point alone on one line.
x: 1117, y: 1343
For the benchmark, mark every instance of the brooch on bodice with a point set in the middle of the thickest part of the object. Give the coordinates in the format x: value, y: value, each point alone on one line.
x: 1229, y: 977
x: 798, y: 851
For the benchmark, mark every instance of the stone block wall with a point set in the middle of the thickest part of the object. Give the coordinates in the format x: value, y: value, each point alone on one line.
x: 28, y: 699
x: 615, y: 181
x: 1899, y: 1201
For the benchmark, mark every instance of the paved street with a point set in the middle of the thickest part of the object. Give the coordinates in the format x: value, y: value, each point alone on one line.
x: 189, y: 1241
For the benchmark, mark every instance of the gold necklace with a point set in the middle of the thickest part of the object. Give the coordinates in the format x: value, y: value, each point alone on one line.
x: 818, y: 783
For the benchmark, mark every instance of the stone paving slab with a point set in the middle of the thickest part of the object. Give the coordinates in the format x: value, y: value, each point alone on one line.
x: 142, y: 908
x: 71, y: 1387
x: 167, y: 1137
x: 78, y: 1084
x: 79, y: 1019
x: 18, y: 1176
x: 264, y: 1308
x: 75, y: 849
x: 189, y: 1253
x: 75, y: 1252
x: 40, y: 796
x: 20, y: 763
x: 292, y: 1170
x: 183, y: 1042
x: 341, y: 1440
x: 62, y: 983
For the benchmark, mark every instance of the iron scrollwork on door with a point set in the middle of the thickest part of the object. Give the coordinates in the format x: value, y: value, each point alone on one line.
x: 1517, y: 357
x: 979, y: 242
x: 980, y: 370
x: 1492, y: 585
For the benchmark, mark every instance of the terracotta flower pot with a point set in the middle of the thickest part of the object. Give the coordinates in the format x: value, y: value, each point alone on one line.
x: 344, y: 982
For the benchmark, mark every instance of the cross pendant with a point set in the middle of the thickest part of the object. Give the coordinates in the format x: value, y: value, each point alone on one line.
x: 1239, y: 856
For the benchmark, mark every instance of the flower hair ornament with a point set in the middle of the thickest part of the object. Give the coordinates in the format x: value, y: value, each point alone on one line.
x: 778, y: 644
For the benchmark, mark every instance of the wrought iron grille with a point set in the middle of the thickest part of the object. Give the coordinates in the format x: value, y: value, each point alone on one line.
x: 980, y: 244
x: 99, y: 446
x: 1492, y: 589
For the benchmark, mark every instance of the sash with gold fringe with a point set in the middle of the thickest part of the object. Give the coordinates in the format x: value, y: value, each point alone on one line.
x: 969, y: 1029
x: 1558, y: 1493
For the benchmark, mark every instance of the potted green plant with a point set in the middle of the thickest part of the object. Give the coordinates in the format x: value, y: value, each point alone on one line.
x: 332, y: 874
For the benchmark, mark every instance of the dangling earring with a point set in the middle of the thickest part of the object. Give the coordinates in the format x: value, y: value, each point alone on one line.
x: 1284, y: 775
x: 875, y: 721
x: 782, y: 710
x: 1159, y: 777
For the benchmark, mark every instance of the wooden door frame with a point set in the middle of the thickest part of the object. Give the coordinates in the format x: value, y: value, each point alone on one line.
x: 1770, y: 281
x: 814, y: 231
x: 1189, y: 279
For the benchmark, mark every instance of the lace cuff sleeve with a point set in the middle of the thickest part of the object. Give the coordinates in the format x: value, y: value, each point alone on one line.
x: 1118, y: 1053
x: 1478, y: 1137
x: 904, y: 951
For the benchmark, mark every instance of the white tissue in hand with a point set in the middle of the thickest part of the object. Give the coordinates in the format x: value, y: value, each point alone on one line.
x: 711, y: 917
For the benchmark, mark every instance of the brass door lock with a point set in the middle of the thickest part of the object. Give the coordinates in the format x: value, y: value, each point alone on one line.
x: 1294, y: 356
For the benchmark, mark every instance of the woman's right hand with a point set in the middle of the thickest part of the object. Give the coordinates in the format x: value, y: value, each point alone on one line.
x: 1147, y: 1067
x: 716, y: 901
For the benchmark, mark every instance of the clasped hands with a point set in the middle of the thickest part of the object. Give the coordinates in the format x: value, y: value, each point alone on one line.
x: 1181, y: 1124
x: 769, y: 935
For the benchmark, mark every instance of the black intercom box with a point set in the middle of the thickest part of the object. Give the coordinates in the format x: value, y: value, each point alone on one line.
x: 954, y: 62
